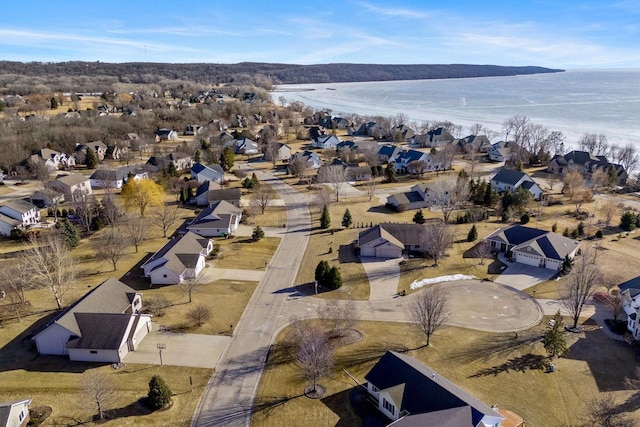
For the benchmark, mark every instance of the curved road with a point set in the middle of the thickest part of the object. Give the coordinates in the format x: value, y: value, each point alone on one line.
x: 229, y: 395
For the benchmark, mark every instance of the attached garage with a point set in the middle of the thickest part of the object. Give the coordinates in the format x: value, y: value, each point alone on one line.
x: 388, y: 252
x: 532, y: 260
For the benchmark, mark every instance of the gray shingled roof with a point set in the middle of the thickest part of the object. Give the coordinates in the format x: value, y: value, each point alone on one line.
x: 175, y: 250
x: 19, y: 206
x: 220, y: 214
x: 508, y: 176
x: 72, y: 179
x: 100, y: 331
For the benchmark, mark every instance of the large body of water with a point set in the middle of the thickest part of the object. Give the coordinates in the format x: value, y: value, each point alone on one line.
x: 573, y: 102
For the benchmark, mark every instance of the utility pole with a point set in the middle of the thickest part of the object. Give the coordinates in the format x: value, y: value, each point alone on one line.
x: 160, y: 348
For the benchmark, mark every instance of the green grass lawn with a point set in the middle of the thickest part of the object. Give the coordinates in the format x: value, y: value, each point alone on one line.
x: 496, y: 368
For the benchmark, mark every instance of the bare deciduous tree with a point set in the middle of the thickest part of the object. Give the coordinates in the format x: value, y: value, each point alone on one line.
x: 199, y: 315
x: 84, y: 206
x: 581, y: 284
x: 40, y: 170
x: 191, y: 284
x: 608, y: 210
x: 313, y: 352
x: 449, y: 194
x: 370, y: 187
x: 112, y: 245
x: 263, y: 196
x: 271, y: 151
x: 340, y: 315
x: 336, y: 176
x: 52, y: 266
x: 136, y: 229
x: 15, y: 279
x: 164, y: 217
x: 417, y: 168
x: 430, y: 310
x: 482, y: 251
x: 603, y: 412
x: 97, y: 389
x: 438, y: 238
x: 298, y: 167
x: 628, y: 157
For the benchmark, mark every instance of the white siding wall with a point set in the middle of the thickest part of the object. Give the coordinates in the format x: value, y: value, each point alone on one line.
x: 164, y: 276
x: 532, y: 260
x: 53, y: 340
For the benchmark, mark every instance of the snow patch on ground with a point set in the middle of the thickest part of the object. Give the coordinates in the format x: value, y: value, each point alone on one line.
x: 424, y: 282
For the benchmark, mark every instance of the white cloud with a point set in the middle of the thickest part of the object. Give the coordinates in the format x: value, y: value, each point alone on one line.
x: 391, y: 12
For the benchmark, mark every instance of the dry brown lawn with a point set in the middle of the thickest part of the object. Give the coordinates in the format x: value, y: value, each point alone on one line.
x: 497, y: 368
x: 242, y: 253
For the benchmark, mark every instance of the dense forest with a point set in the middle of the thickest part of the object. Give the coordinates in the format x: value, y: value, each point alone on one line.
x: 81, y: 76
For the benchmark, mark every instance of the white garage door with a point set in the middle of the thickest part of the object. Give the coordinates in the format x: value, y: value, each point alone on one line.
x: 389, y: 253
x: 528, y: 259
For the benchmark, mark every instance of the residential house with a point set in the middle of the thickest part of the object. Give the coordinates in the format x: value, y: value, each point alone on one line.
x: 386, y: 153
x: 282, y: 153
x: 99, y: 149
x: 8, y: 224
x: 500, y: 151
x: 231, y: 195
x: 165, y: 134
x: 532, y: 246
x: 312, y: 161
x: 339, y: 123
x: 74, y: 186
x: 405, y: 157
x: 402, y: 133
x: 22, y: 211
x: 433, y: 138
x: 116, y: 178
x: 201, y: 193
x: 46, y: 198
x: 410, y: 393
x: 180, y: 259
x: 202, y: 173
x: 54, y: 159
x: 181, y: 161
x: 118, y: 150
x: 510, y: 179
x: 220, y: 219
x: 371, y: 129
x: 417, y: 197
x: 245, y: 146
x: 102, y: 326
x: 359, y: 173
x: 131, y: 136
x: 392, y: 240
x: 478, y: 144
x: 192, y: 130
x: 325, y: 141
x: 15, y: 413
x: 630, y: 294
x: 585, y: 163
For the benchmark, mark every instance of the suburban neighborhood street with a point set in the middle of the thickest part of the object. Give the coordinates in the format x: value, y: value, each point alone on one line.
x: 229, y: 396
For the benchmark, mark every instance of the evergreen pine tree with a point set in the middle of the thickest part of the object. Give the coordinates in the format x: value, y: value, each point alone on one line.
x: 197, y: 156
x: 255, y: 183
x: 553, y: 339
x: 346, y: 219
x: 322, y: 269
x: 472, y: 236
x: 68, y: 232
x: 325, y: 219
x: 580, y: 228
x: 54, y: 103
x: 333, y: 278
x: 90, y: 159
x: 390, y: 172
x: 159, y: 394
x: 418, y: 218
x: 227, y: 159
x: 172, y: 170
x: 488, y: 195
x: 257, y: 234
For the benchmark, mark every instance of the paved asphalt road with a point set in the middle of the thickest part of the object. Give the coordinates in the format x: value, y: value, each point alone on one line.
x: 228, y: 398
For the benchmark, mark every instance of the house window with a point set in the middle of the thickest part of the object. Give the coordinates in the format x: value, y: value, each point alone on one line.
x: 164, y: 275
x: 374, y: 388
x: 389, y: 407
x: 21, y: 416
x: 93, y: 351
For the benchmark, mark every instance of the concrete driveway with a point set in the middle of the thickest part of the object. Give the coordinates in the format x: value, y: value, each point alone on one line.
x: 211, y: 274
x: 521, y: 276
x: 193, y: 350
x: 383, y: 275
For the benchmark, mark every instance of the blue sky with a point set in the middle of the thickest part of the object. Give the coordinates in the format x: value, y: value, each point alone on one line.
x: 553, y: 33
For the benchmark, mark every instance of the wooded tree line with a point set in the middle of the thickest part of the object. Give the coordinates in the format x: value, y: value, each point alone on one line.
x: 80, y: 76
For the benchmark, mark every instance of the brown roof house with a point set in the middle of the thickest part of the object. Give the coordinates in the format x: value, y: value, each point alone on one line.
x: 391, y: 240
x: 102, y: 326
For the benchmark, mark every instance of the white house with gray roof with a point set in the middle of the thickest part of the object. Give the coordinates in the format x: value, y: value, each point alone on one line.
x: 417, y: 197
x: 102, y: 326
x: 15, y: 413
x: 202, y: 173
x: 181, y: 258
x: 116, y: 178
x: 532, y: 246
x: 24, y: 212
x: 73, y: 186
x: 510, y: 179
x: 220, y: 219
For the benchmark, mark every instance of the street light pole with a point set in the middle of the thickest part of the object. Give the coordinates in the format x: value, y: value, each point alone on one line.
x: 160, y: 348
